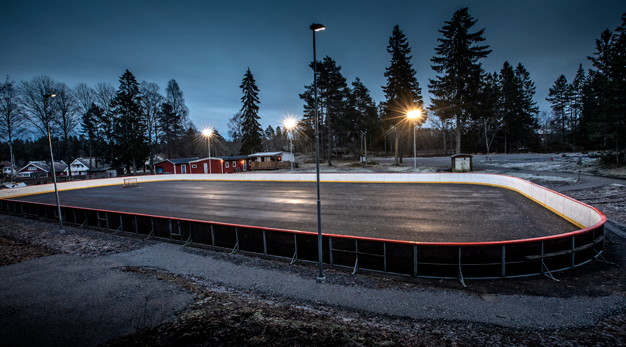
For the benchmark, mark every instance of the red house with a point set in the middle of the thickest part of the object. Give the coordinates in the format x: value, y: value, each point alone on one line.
x: 236, y: 163
x: 189, y: 166
x: 41, y: 169
x: 206, y: 165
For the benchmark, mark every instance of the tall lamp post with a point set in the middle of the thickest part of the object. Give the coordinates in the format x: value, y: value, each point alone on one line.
x: 320, y: 277
x: 207, y: 133
x: 290, y: 124
x: 54, y: 175
x: 414, y: 115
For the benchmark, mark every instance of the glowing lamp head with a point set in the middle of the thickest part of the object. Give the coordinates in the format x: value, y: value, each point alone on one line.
x: 290, y: 123
x: 317, y: 27
x: 207, y: 132
x: 413, y: 114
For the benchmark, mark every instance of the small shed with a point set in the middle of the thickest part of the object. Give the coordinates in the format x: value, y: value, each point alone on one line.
x: 271, y: 160
x: 462, y: 162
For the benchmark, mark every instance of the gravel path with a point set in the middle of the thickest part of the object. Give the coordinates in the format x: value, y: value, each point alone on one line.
x: 507, y: 310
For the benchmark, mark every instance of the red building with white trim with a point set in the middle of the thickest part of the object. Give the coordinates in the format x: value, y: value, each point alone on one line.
x: 236, y: 163
x: 190, y: 166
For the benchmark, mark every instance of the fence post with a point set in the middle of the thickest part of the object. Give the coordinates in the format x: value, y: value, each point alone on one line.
x: 264, y: 244
x: 414, y: 261
x: 503, y: 261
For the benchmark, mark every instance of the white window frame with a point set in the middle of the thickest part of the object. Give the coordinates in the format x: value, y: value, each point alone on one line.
x: 226, y: 162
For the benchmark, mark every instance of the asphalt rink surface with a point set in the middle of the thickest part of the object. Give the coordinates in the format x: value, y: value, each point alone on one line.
x: 419, y: 212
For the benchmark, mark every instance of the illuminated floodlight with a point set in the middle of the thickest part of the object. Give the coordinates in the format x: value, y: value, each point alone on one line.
x: 290, y: 123
x: 414, y: 114
x: 317, y: 27
x: 207, y: 132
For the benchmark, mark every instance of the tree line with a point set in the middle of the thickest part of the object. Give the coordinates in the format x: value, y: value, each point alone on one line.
x: 120, y: 128
x: 471, y: 110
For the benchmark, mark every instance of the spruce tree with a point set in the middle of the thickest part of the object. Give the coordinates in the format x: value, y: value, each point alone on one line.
x: 457, y: 60
x: 332, y: 86
x: 576, y: 102
x: 171, y: 129
x: 130, y: 145
x: 559, y: 96
x: 402, y: 92
x: 517, y: 106
x: 250, y: 127
x: 362, y: 116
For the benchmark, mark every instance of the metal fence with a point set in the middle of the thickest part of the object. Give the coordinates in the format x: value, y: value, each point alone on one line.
x: 416, y: 259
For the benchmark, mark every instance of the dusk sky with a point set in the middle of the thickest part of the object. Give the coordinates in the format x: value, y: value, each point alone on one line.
x: 206, y: 46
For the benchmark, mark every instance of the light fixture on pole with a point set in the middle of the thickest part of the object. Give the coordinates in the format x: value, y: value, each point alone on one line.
x: 320, y: 277
x: 290, y: 124
x: 207, y: 133
x: 54, y: 174
x: 414, y: 115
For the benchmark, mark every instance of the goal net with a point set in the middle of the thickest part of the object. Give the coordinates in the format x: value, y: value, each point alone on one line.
x: 130, y: 182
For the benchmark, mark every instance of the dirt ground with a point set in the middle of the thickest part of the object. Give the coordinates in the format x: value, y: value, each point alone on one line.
x: 224, y: 317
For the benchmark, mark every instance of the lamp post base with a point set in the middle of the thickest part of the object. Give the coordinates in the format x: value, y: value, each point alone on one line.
x: 321, y: 280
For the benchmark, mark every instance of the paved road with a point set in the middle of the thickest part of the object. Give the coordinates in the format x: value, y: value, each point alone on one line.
x: 64, y: 300
x: 414, y: 212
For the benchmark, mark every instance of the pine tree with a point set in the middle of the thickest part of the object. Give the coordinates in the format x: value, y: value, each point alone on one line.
x: 332, y: 86
x: 402, y: 91
x: 559, y: 96
x: 517, y: 106
x: 489, y: 113
x: 362, y: 116
x: 90, y: 129
x: 331, y: 91
x: 130, y: 145
x: 250, y: 127
x: 576, y: 102
x: 457, y: 59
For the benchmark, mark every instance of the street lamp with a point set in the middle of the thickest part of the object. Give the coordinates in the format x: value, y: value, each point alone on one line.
x: 290, y: 124
x: 54, y: 175
x: 320, y: 278
x: 207, y: 133
x: 414, y: 115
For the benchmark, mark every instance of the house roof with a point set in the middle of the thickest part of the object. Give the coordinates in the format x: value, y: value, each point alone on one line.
x: 234, y: 157
x: 6, y: 164
x: 58, y: 166
x: 207, y: 158
x: 179, y: 160
x: 266, y: 154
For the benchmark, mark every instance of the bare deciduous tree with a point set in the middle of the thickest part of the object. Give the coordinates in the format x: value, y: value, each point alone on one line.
x: 105, y: 93
x: 32, y: 95
x: 11, y: 116
x: 67, y: 119
x: 151, y: 101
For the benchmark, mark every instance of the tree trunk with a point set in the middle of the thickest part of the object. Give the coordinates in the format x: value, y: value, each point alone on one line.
x: 395, y: 161
x: 134, y: 167
x: 458, y: 134
x: 443, y: 133
x: 505, y: 138
x: 330, y: 140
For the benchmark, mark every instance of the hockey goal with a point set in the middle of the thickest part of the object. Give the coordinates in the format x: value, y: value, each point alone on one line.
x: 130, y: 182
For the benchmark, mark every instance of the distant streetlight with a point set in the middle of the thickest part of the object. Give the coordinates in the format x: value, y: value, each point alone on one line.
x: 54, y: 175
x: 207, y: 133
x: 290, y: 124
x: 414, y: 115
x: 320, y: 278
